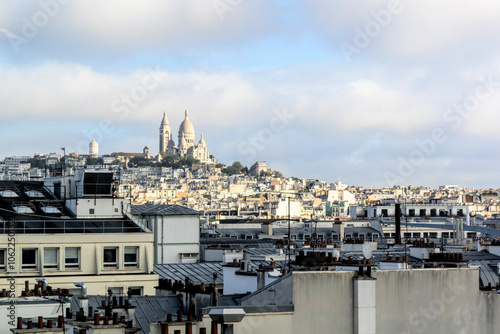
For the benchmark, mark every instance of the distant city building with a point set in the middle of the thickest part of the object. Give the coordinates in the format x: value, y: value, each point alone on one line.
x: 93, y: 149
x: 125, y: 157
x: 186, y: 140
x: 257, y: 168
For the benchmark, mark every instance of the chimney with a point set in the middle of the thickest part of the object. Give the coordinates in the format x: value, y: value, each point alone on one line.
x: 84, y: 305
x: 214, y: 328
x: 189, y: 328
x: 397, y: 214
x: 267, y: 228
x: 339, y: 228
x: 261, y: 277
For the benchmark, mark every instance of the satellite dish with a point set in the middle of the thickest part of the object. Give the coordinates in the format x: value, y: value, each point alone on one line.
x: 367, y: 251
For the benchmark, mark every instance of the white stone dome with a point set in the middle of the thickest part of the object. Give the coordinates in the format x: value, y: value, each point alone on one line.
x: 202, y: 141
x: 186, y: 127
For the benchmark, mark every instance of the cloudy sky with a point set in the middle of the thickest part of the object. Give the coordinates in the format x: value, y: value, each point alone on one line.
x: 374, y: 92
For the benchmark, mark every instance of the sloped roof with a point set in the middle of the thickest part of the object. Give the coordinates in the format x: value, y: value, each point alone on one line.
x: 486, y: 273
x: 163, y: 210
x: 200, y: 272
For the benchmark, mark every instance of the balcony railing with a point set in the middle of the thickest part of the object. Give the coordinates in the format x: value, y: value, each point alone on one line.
x: 69, y: 227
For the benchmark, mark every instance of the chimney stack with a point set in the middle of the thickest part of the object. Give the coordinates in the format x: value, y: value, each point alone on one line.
x: 397, y: 214
x: 267, y: 228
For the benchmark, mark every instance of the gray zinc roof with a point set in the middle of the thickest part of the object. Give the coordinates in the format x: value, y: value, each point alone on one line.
x: 486, y: 273
x: 201, y: 272
x: 163, y: 210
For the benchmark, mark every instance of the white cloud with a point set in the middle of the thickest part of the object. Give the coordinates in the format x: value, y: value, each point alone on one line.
x: 90, y: 56
x: 366, y: 105
x: 115, y: 28
x: 419, y: 31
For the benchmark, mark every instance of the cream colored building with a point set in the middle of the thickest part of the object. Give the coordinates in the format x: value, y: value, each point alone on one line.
x: 73, y: 229
x: 103, y: 261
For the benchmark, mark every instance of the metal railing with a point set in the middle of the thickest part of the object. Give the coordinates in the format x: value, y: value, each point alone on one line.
x: 69, y: 227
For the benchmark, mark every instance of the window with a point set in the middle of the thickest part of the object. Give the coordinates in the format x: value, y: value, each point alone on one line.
x: 29, y: 258
x: 445, y: 235
x: 116, y: 290
x: 387, y: 235
x: 91, y: 211
x: 50, y: 257
x: 426, y: 234
x: 131, y: 256
x: 416, y: 235
x: 135, y: 290
x: 110, y: 257
x: 75, y: 292
x: 407, y: 235
x: 72, y: 257
x: 2, y: 259
x: 434, y: 235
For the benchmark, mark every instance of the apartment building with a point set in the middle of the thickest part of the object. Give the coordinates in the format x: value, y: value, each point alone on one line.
x: 73, y: 229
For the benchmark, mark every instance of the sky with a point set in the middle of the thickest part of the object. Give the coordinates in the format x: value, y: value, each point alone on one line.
x: 376, y: 93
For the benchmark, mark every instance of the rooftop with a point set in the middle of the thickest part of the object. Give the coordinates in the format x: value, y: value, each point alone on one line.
x: 163, y: 210
x: 35, y: 210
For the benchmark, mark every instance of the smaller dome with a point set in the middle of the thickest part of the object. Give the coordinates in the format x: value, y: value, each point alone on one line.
x: 202, y: 141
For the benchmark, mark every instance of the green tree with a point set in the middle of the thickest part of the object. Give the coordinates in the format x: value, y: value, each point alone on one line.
x: 39, y: 163
x: 94, y: 161
x: 138, y: 162
x: 175, y: 161
x: 235, y: 168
